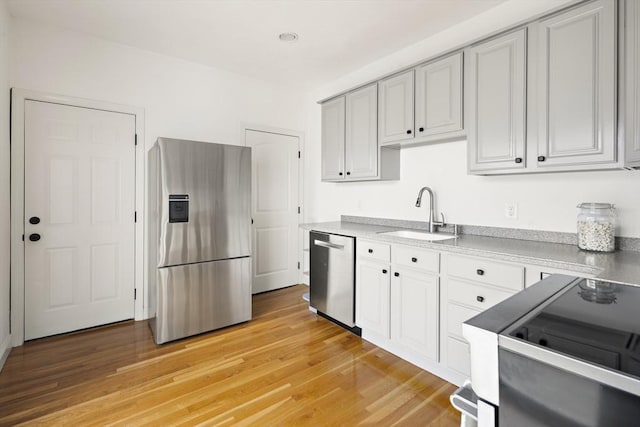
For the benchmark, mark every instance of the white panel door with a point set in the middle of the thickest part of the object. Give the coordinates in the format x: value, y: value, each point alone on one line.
x: 372, y: 297
x: 274, y: 206
x: 80, y: 201
x: 577, y: 87
x: 414, y: 312
x: 333, y: 139
x: 395, y: 108
x: 439, y: 96
x: 496, y: 103
x: 361, y: 153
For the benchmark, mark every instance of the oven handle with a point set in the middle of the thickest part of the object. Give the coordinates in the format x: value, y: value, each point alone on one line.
x: 327, y: 245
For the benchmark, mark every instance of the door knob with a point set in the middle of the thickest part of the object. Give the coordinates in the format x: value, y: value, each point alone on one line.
x: 34, y: 237
x: 34, y: 220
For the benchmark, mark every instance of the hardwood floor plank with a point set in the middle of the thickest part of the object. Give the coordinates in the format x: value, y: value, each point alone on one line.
x: 285, y: 367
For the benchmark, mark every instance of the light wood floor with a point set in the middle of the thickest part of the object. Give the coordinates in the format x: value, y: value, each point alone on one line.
x: 285, y: 367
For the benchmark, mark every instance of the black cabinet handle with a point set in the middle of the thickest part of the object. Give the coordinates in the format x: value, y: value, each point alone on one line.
x: 340, y: 173
x: 414, y: 259
x: 34, y: 220
x: 480, y: 298
x: 480, y: 272
x: 396, y: 274
x: 518, y: 159
x: 348, y: 173
x: 421, y: 130
x: 384, y: 271
x: 34, y: 237
x: 408, y: 131
x: 541, y: 158
x: 370, y: 251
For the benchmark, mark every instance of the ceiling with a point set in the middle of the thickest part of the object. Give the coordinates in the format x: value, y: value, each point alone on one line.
x: 336, y: 36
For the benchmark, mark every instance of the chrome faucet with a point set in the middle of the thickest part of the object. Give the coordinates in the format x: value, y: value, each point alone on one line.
x: 432, y: 223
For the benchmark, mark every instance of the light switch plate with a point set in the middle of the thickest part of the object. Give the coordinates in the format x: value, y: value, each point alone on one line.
x: 511, y: 210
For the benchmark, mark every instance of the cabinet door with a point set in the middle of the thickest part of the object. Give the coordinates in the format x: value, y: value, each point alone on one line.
x: 632, y: 89
x: 396, y: 108
x: 333, y: 127
x: 577, y: 86
x: 372, y: 297
x: 414, y: 311
x: 439, y: 96
x: 496, y: 103
x: 361, y: 156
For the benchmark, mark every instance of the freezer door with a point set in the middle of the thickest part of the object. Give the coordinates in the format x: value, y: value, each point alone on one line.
x: 204, y: 210
x: 196, y: 298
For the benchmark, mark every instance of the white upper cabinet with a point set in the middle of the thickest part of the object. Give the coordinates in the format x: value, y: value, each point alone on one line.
x: 632, y: 89
x: 361, y: 149
x: 439, y: 97
x: 576, y: 88
x: 396, y: 107
x: 333, y: 139
x: 496, y: 103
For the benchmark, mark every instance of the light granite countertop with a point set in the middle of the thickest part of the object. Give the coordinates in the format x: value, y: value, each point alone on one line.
x: 619, y: 266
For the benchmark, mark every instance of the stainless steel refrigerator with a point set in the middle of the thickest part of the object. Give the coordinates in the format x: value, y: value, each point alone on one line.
x: 199, y: 237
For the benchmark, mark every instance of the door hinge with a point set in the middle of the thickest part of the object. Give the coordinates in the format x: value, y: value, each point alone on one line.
x: 298, y: 154
x: 298, y: 265
x: 135, y: 216
x: 135, y: 293
x: 135, y: 139
x: 298, y: 209
x: 23, y: 237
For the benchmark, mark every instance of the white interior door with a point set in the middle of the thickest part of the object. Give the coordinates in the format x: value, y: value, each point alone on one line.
x: 80, y: 184
x: 274, y: 193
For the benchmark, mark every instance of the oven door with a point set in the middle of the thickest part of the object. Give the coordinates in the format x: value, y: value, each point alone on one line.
x: 539, y: 393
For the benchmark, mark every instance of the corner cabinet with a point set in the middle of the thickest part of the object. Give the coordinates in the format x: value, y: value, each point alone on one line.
x: 632, y: 84
x: 496, y: 103
x: 576, y: 114
x: 350, y: 150
x: 423, y: 104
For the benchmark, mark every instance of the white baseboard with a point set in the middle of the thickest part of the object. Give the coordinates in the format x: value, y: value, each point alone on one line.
x: 5, y: 349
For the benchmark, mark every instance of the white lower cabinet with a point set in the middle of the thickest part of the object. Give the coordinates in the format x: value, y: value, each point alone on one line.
x: 414, y: 311
x: 372, y: 296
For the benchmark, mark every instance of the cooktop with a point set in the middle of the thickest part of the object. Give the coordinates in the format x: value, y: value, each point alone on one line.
x: 592, y: 320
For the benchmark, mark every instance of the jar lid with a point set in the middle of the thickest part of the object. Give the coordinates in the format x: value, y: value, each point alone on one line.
x: 592, y: 205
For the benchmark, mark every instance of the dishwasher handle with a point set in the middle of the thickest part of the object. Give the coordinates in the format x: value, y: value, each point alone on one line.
x: 327, y: 244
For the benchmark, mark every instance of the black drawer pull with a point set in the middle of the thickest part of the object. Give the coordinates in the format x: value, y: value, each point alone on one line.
x: 480, y: 298
x: 340, y: 173
x: 480, y: 272
x: 414, y: 259
x: 384, y: 271
x: 408, y: 131
x: 396, y: 274
x: 34, y: 237
x: 348, y: 173
x: 518, y: 159
x: 421, y: 129
x: 370, y: 251
x: 541, y: 158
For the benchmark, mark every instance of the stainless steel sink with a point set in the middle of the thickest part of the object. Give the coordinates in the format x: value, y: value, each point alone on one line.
x: 419, y: 235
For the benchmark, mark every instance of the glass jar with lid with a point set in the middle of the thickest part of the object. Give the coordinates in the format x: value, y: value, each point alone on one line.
x: 596, y: 227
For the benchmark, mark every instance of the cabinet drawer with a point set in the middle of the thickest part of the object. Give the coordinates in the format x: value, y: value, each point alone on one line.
x: 458, y: 356
x: 373, y: 250
x: 489, y: 272
x: 480, y: 297
x: 415, y: 257
x: 456, y: 315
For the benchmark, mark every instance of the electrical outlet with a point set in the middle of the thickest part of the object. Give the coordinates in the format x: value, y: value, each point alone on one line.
x: 511, y: 210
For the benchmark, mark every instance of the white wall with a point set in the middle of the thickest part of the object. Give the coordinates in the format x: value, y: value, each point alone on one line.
x: 4, y: 179
x: 181, y: 99
x: 545, y: 201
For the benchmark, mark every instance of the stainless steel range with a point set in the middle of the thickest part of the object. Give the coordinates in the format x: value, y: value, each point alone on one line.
x: 565, y: 352
x: 199, y: 237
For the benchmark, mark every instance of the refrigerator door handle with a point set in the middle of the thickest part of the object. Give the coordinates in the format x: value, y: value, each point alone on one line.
x: 327, y: 245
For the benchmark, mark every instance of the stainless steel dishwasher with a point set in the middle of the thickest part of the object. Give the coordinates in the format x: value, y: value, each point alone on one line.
x: 332, y: 276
